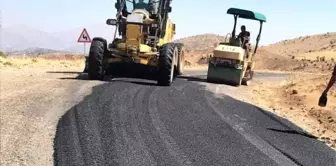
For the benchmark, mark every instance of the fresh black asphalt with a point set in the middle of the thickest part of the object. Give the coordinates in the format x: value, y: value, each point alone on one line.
x: 131, y: 122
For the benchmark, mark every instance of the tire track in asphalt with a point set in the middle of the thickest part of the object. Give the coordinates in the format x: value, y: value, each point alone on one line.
x: 242, y: 128
x: 141, y: 124
x: 170, y: 143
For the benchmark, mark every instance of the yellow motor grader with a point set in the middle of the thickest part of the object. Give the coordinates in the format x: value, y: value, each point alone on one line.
x: 144, y: 48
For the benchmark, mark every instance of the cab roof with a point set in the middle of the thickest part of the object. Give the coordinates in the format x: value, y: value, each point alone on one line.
x: 247, y: 14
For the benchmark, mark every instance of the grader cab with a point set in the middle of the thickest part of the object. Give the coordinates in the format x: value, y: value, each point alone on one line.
x: 232, y: 62
x: 144, y: 48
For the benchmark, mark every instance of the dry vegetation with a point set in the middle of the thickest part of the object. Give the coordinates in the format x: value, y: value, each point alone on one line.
x: 49, y: 60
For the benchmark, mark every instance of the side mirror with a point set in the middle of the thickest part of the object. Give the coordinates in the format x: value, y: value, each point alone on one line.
x: 111, y: 22
x: 174, y: 30
x: 169, y: 9
x: 116, y: 5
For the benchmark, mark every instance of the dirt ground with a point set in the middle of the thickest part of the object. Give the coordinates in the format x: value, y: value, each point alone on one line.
x: 31, y: 97
x: 41, y: 61
x: 311, y: 60
x: 297, y: 100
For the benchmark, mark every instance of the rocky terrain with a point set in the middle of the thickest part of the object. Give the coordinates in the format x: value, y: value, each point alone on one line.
x: 296, y: 99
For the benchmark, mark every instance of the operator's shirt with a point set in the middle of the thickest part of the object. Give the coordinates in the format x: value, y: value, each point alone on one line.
x: 243, y: 34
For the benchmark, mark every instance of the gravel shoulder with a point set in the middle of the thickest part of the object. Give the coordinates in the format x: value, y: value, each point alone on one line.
x: 296, y: 99
x: 31, y: 101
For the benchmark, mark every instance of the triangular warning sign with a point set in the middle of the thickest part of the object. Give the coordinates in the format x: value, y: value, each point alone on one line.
x: 84, y: 37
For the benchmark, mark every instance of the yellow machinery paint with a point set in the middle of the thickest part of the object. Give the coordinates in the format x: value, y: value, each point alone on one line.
x: 141, y: 53
x: 146, y: 40
x: 229, y: 52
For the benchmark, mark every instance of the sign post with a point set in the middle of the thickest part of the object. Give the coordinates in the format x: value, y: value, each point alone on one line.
x: 84, y: 38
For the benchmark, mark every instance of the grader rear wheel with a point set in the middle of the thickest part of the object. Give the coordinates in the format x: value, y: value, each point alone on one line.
x: 180, y: 61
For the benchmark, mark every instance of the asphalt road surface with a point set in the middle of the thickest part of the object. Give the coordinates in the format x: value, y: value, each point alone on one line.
x: 134, y: 122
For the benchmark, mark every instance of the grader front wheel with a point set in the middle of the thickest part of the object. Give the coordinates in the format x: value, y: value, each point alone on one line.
x: 96, y: 55
x: 86, y: 68
x: 166, y: 64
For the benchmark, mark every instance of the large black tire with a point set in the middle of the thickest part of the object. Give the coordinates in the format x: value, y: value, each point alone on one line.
x: 246, y: 81
x: 180, y: 60
x: 252, y: 74
x: 166, y: 64
x: 96, y: 55
x: 86, y: 68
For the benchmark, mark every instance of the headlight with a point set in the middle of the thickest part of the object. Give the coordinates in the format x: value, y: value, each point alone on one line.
x: 238, y: 66
x: 111, y: 22
x: 212, y: 60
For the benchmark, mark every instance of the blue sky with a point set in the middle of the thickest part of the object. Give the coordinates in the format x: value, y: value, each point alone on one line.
x: 286, y: 18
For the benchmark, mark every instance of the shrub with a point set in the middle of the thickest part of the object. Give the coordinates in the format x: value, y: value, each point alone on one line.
x: 34, y: 60
x: 2, y: 54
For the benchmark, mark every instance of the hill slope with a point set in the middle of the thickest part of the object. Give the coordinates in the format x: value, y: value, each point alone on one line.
x: 203, y: 43
x: 299, y: 54
x: 305, y: 44
x: 198, y: 47
x: 20, y: 37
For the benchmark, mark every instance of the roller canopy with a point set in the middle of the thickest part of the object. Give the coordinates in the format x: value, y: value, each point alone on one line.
x: 247, y: 14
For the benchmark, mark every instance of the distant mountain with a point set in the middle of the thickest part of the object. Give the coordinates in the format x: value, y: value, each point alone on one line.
x: 21, y: 37
x: 201, y: 43
x: 69, y: 37
x: 35, y: 51
x: 198, y: 47
x: 17, y: 38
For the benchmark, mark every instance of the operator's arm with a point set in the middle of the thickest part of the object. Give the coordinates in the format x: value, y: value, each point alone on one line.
x: 239, y: 35
x: 149, y: 21
x: 247, y: 35
x: 331, y: 81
